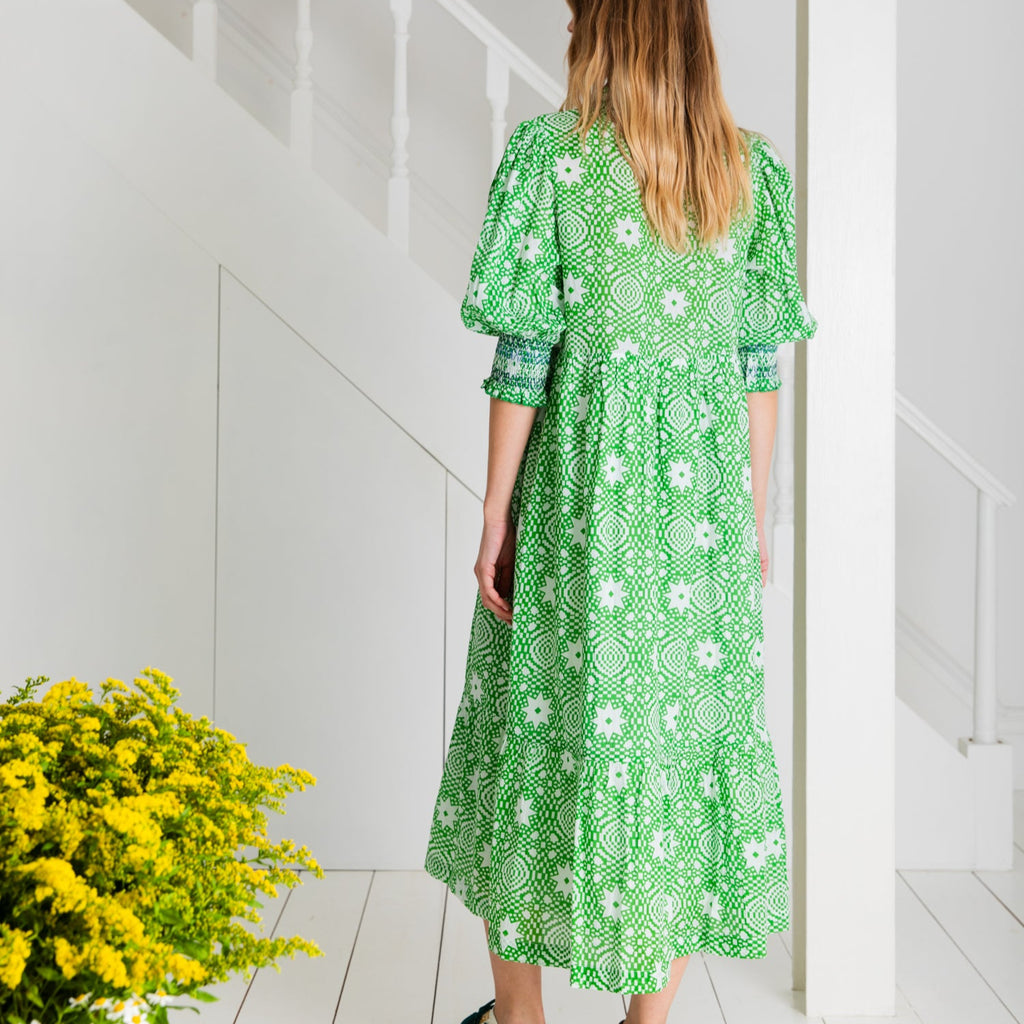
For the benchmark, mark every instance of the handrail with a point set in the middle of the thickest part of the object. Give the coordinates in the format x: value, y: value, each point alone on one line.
x: 503, y: 57
x: 957, y: 457
x: 990, y: 493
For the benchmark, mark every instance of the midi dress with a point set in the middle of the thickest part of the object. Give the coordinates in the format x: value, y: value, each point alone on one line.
x: 610, y: 798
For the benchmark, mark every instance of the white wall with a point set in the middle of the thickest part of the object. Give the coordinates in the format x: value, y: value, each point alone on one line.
x: 108, y: 414
x: 282, y: 552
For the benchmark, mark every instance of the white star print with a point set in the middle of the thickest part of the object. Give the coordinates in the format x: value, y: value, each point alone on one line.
x: 613, y: 902
x: 675, y: 302
x: 474, y: 686
x: 509, y: 933
x: 711, y: 905
x: 524, y: 810
x: 538, y: 710
x: 709, y: 653
x: 679, y: 472
x: 549, y: 589
x: 564, y: 879
x: 569, y: 170
x: 476, y: 292
x: 747, y: 480
x: 582, y: 403
x: 485, y: 856
x: 679, y: 594
x: 618, y: 774
x: 573, y: 289
x: 755, y: 853
x: 658, y: 843
x: 627, y: 231
x: 705, y: 535
x: 513, y: 178
x: 626, y: 347
x: 609, y: 720
x: 529, y: 247
x: 579, y: 530
x: 574, y: 653
x: 709, y: 781
x: 773, y: 842
x: 446, y: 812
x: 568, y: 761
x: 725, y: 249
x: 556, y: 297
x: 613, y: 469
x: 672, y: 716
x: 611, y: 593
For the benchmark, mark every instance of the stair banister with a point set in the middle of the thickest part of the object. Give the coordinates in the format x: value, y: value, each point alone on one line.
x: 991, y: 494
x: 504, y: 57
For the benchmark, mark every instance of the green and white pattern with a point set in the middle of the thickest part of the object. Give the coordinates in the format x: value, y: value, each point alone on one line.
x: 610, y: 798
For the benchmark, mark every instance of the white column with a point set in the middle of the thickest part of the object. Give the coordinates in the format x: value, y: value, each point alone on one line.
x: 302, y: 93
x: 843, y: 850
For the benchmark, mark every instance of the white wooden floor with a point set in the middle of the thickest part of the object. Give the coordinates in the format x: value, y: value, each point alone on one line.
x: 400, y: 950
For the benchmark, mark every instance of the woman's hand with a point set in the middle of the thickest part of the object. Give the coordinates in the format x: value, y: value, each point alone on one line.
x: 762, y: 544
x: 494, y: 565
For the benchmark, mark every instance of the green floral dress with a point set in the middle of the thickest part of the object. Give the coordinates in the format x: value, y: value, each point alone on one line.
x: 610, y: 798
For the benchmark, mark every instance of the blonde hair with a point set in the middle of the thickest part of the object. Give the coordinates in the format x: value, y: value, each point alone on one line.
x: 648, y: 70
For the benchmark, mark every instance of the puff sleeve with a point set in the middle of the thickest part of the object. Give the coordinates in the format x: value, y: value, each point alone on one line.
x: 515, y: 285
x: 773, y: 306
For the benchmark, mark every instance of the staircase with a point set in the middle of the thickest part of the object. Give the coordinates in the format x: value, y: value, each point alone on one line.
x: 332, y: 321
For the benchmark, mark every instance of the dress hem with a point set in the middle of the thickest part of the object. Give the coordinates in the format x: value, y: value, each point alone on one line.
x: 585, y: 977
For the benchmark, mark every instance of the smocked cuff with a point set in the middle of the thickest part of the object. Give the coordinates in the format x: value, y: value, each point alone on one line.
x: 760, y: 368
x: 519, y: 373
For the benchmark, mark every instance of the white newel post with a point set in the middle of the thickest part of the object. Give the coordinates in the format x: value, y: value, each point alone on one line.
x: 992, y: 759
x: 985, y: 623
x: 844, y: 703
x: 204, y: 37
x: 301, y: 141
x: 780, y: 565
x: 498, y: 78
x: 398, y: 183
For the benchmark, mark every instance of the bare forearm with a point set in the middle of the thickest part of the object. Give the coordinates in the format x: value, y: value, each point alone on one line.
x: 763, y: 409
x: 509, y: 430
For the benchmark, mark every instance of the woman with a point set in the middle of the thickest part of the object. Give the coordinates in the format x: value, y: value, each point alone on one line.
x: 610, y: 801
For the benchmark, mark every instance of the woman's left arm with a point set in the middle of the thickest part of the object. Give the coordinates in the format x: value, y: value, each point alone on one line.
x: 763, y: 410
x: 508, y: 434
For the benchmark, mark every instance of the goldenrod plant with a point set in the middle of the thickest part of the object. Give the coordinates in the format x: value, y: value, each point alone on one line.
x: 132, y: 848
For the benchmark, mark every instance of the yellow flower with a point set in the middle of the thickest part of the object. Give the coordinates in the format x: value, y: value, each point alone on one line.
x: 15, y: 946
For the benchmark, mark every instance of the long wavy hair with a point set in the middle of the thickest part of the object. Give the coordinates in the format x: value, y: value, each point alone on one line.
x: 648, y: 70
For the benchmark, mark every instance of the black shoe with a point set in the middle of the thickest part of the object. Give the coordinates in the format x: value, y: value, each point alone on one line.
x: 481, y: 1016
